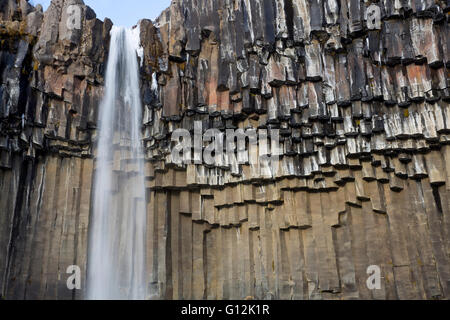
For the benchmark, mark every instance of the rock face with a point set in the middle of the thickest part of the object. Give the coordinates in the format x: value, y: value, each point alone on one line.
x: 358, y: 90
x: 51, y: 86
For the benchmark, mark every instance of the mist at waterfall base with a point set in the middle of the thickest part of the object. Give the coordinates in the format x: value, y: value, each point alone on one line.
x: 116, y: 257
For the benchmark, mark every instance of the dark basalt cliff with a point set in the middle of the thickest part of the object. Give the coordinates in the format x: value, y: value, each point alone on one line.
x: 364, y: 176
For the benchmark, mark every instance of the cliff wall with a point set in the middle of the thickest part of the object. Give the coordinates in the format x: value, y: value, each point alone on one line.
x: 362, y: 105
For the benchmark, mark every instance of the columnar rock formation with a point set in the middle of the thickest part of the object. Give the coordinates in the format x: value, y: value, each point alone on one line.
x: 362, y: 105
x: 51, y: 87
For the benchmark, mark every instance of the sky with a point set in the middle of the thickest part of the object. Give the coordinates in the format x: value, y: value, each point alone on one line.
x: 122, y: 12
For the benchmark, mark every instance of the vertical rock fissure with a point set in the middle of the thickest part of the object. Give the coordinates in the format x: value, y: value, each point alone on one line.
x: 16, y: 221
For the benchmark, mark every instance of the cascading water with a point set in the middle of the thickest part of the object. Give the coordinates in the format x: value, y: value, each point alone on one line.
x: 116, y: 260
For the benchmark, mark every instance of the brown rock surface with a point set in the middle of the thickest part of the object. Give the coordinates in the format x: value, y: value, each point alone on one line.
x: 365, y: 169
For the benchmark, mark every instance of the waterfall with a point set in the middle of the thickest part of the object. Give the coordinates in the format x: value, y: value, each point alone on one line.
x: 116, y: 258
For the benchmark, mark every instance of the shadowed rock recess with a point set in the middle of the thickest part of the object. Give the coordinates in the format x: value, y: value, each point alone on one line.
x: 364, y: 175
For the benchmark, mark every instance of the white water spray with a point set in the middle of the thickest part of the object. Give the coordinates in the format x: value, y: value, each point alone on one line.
x: 116, y: 262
